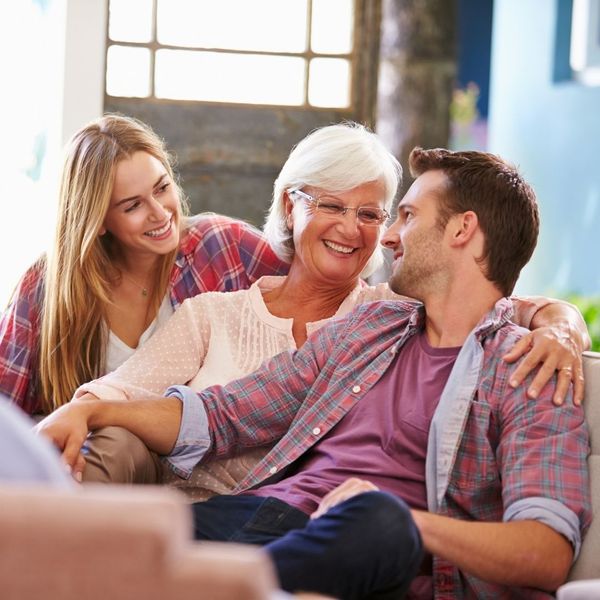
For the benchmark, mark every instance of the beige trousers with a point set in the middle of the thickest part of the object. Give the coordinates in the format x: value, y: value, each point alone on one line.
x: 115, y: 455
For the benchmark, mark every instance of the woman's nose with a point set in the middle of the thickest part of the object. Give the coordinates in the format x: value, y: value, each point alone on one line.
x: 157, y: 210
x: 349, y: 223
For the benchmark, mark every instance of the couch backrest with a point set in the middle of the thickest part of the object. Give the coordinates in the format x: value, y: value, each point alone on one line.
x: 588, y: 563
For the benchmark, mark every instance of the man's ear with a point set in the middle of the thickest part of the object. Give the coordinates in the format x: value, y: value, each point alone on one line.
x: 463, y: 227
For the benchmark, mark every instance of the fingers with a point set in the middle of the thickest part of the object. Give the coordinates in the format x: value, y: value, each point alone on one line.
x: 562, y: 385
x: 71, y: 453
x: 551, y: 351
x: 578, y: 385
x: 78, y: 468
x: 519, y: 349
x: 542, y: 377
x: 351, y: 487
x: 527, y: 365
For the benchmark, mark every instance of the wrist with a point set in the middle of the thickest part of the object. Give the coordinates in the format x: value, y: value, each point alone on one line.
x: 91, y: 411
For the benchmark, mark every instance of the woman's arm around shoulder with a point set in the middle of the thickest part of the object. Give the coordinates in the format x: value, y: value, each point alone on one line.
x: 231, y: 254
x: 557, y: 339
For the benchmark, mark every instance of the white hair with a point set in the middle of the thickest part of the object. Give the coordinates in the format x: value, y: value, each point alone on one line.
x: 336, y: 158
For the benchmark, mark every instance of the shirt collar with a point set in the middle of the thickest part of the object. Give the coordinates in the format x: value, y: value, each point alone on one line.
x: 500, y: 314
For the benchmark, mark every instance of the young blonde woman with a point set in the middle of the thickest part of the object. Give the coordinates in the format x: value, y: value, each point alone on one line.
x: 124, y: 257
x: 330, y: 203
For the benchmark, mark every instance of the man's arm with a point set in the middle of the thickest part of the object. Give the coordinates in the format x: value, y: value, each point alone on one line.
x: 252, y: 411
x: 557, y: 339
x: 519, y: 553
x: 545, y: 509
x: 155, y: 422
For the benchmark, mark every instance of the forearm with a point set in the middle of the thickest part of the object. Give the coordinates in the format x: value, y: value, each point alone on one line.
x: 155, y: 422
x: 518, y: 553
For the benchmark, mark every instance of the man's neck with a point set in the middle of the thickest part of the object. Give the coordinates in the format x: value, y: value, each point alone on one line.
x: 451, y: 316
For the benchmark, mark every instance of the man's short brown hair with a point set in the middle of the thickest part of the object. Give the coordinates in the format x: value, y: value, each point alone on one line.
x: 504, y: 202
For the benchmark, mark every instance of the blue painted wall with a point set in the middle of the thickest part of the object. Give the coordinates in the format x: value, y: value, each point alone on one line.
x: 551, y: 130
x: 474, y: 47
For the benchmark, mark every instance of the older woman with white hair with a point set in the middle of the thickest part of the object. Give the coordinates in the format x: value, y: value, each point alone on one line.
x: 330, y: 203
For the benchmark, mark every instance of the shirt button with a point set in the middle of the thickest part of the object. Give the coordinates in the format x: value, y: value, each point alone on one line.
x: 356, y: 389
x: 316, y: 431
x: 273, y: 470
x: 393, y: 350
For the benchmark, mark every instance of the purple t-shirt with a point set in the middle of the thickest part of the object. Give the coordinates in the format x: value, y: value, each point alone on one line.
x: 383, y: 438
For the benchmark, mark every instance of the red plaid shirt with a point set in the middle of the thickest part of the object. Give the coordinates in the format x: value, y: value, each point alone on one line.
x: 493, y: 455
x: 216, y: 254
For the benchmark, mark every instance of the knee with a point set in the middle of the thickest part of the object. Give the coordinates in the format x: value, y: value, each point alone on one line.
x: 390, y: 526
x: 115, y: 455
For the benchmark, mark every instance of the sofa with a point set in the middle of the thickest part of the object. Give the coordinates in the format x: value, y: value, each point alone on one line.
x: 587, y: 566
x: 120, y: 543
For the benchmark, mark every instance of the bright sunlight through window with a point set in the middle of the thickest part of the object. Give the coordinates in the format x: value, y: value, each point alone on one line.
x: 272, y: 52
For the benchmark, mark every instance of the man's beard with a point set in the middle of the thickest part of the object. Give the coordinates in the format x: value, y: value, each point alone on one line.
x: 419, y: 270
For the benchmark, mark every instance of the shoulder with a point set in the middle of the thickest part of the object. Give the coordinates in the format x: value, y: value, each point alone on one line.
x: 496, y: 372
x: 209, y: 226
x: 31, y: 285
x: 382, y: 314
x: 503, y: 339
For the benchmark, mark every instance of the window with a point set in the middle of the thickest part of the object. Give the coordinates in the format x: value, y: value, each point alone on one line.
x: 272, y: 52
x: 585, y: 41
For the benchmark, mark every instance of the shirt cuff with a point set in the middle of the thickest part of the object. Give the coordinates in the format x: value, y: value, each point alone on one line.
x: 193, y: 441
x: 550, y: 512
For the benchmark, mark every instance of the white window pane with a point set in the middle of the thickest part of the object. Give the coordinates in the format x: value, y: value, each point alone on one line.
x: 264, y: 25
x: 332, y: 26
x: 130, y: 20
x: 222, y: 77
x: 329, y: 82
x: 128, y: 71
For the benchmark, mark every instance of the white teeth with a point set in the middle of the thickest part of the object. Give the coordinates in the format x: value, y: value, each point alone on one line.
x: 338, y: 247
x: 159, y: 232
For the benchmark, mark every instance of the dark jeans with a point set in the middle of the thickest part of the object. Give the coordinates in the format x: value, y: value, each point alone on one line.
x: 365, y: 547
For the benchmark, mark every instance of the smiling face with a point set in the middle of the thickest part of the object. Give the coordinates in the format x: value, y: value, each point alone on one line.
x: 416, y: 238
x: 334, y: 249
x: 143, y: 215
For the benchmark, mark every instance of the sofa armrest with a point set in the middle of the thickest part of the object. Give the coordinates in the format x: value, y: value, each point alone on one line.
x: 587, y: 565
x: 117, y: 542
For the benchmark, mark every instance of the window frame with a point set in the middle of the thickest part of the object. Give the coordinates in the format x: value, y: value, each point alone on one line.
x: 364, y: 12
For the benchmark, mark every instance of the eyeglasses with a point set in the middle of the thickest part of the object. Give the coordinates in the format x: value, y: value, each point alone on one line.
x: 370, y: 216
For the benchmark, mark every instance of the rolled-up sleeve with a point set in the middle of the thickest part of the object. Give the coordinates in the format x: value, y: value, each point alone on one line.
x: 193, y: 441
x: 550, y: 512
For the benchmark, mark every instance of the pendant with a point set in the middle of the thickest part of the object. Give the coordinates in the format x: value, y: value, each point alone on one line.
x: 144, y: 292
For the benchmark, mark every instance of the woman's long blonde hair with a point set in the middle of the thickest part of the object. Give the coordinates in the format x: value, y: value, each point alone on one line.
x: 81, y: 266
